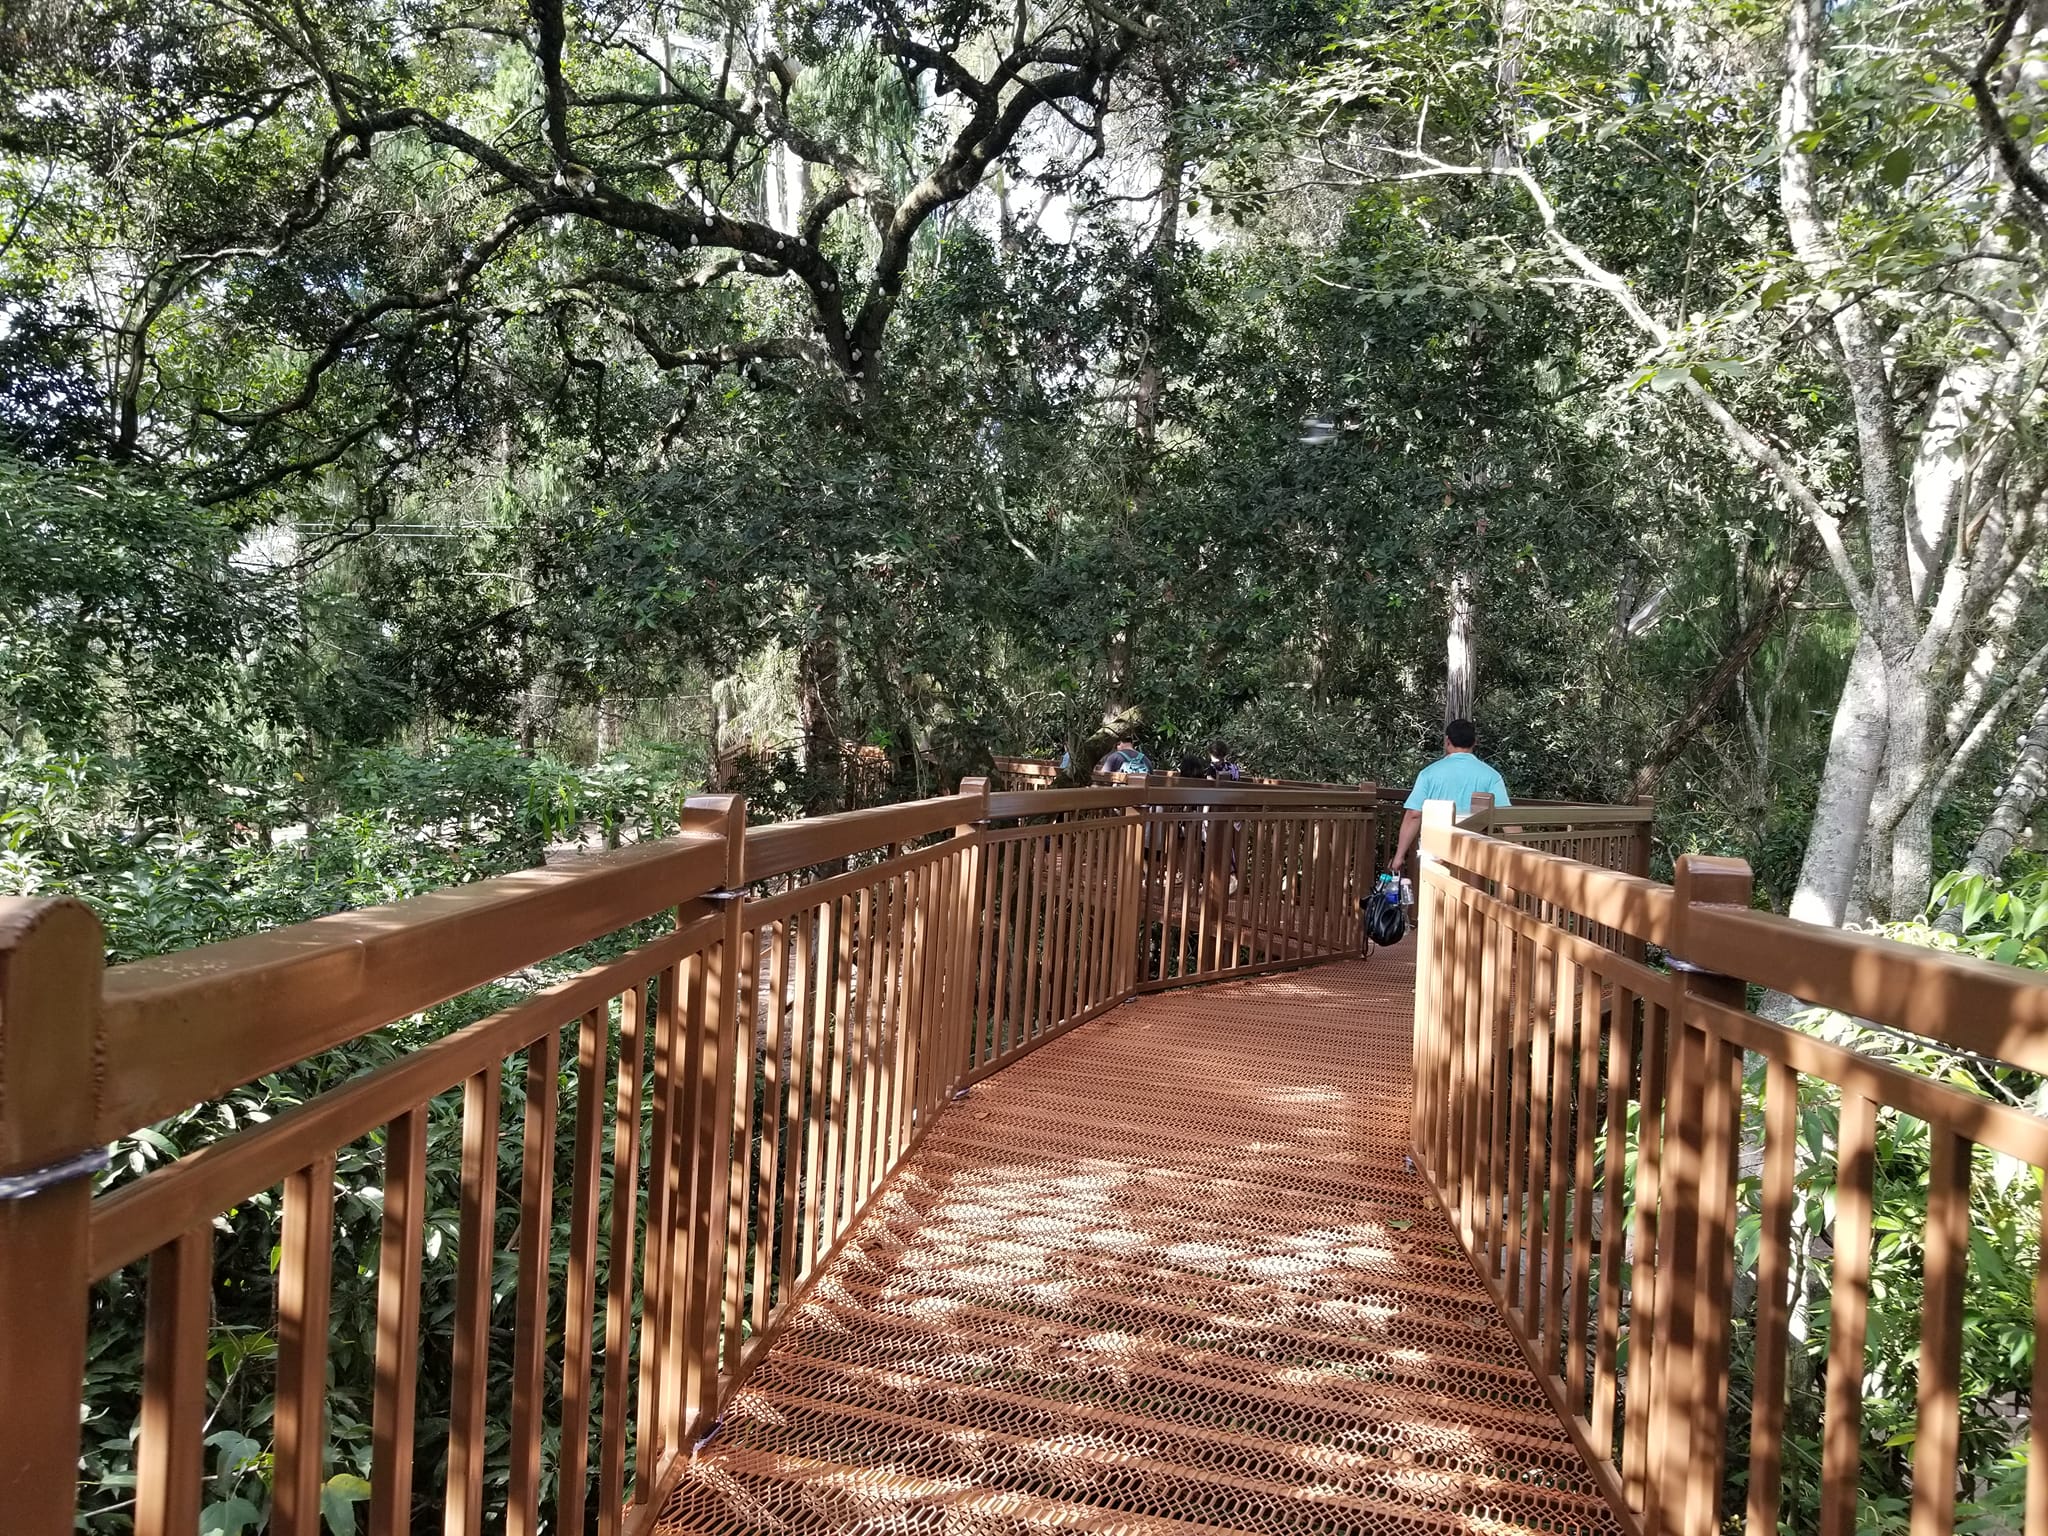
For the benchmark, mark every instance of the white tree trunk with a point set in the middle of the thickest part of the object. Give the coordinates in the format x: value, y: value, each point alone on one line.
x: 2017, y: 798
x: 1461, y: 685
x: 1848, y: 781
x: 1901, y: 831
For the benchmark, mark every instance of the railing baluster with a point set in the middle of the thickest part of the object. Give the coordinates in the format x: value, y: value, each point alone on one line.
x: 849, y: 912
x: 304, y: 1291
x: 1645, y: 1277
x: 1492, y: 1099
x: 824, y: 1064
x: 1023, y: 951
x: 580, y: 1290
x: 400, y: 1259
x: 2037, y: 1424
x: 1588, y: 1107
x: 889, y: 1029
x: 1848, y: 1315
x: 767, y: 1212
x: 1773, y: 1301
x: 611, y: 1481
x: 1062, y: 910
x: 732, y: 1016
x: 1556, y: 1233
x: 530, y: 1328
x: 1158, y: 893
x: 1187, y: 938
x: 1072, y: 985
x: 1543, y: 1034
x: 872, y: 1016
x: 910, y: 1033
x: 736, y: 1143
x: 656, y: 1268
x: 806, y: 1086
x: 476, y: 1253
x: 1621, y: 1057
x: 701, y: 1004
x: 984, y: 983
x: 1521, y: 1051
x: 169, y: 1455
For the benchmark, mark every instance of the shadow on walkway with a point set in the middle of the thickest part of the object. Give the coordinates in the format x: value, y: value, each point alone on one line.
x: 1169, y: 1273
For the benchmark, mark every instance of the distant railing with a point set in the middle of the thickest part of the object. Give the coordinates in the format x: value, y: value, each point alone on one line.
x: 1580, y: 1115
x: 1025, y: 772
x: 703, y: 1113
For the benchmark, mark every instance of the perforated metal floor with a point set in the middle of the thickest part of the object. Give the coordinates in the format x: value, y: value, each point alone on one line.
x: 1169, y: 1273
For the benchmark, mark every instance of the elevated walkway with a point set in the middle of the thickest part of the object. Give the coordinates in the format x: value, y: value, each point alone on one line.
x: 1000, y: 1163
x: 1172, y: 1272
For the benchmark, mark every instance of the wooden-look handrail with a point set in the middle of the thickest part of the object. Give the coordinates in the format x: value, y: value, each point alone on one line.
x: 792, y: 845
x: 1568, y: 1094
x: 1184, y: 792
x: 185, y: 1027
x: 837, y: 1014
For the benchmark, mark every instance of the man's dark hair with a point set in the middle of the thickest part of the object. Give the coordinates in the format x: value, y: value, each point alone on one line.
x: 1461, y: 734
x: 1219, y: 749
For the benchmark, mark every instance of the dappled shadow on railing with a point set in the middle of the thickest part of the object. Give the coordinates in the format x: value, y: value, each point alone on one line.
x: 1623, y: 1148
x: 578, y: 1202
x: 1172, y: 1269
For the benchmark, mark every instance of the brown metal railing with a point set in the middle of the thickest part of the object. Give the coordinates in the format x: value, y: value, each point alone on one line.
x: 1580, y: 1116
x: 704, y: 1116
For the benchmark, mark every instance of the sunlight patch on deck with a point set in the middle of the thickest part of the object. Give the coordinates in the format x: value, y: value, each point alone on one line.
x: 1169, y: 1274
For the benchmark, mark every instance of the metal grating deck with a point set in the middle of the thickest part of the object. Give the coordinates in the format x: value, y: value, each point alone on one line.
x: 1170, y: 1273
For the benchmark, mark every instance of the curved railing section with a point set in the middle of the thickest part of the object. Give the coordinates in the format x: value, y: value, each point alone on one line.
x: 593, y: 1207
x: 1581, y: 1115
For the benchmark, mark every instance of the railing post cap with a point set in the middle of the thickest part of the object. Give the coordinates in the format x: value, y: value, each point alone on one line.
x: 52, y: 959
x: 727, y: 816
x: 1705, y: 879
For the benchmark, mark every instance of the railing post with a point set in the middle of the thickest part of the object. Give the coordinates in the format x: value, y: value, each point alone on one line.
x: 51, y: 957
x: 963, y: 980
x: 1429, y: 994
x: 1639, y: 854
x: 1134, y: 913
x: 1701, y: 1124
x: 707, y: 1079
x: 1356, y: 885
x: 1634, y: 948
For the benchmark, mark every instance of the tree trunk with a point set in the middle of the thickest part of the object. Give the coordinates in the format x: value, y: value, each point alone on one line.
x: 818, y: 707
x: 1461, y: 676
x: 1900, y: 834
x: 1679, y: 735
x: 611, y: 722
x: 1151, y: 388
x: 1834, y: 846
x: 2017, y: 798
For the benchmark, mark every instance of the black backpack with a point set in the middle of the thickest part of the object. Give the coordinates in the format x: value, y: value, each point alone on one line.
x: 1386, y: 922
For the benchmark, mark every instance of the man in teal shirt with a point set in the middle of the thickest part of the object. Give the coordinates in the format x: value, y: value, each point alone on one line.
x: 1456, y: 776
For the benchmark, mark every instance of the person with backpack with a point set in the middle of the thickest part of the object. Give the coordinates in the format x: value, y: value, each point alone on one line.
x: 1456, y: 776
x: 1220, y: 764
x: 1125, y: 759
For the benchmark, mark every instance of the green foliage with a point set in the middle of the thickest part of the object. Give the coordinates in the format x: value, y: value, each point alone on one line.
x: 2000, y: 919
x: 376, y: 515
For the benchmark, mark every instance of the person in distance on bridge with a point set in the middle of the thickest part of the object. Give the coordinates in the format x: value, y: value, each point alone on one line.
x: 1456, y: 776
